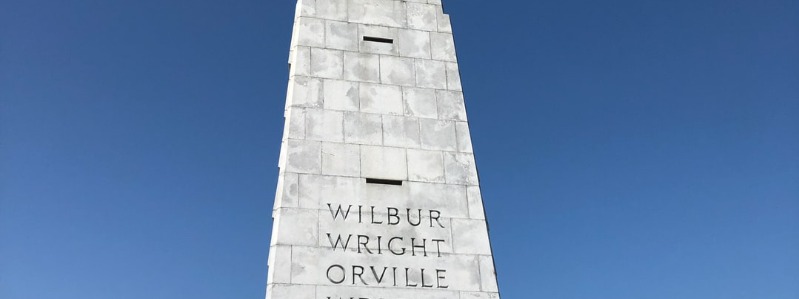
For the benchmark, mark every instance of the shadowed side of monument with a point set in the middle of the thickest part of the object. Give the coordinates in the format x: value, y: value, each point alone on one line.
x: 378, y: 194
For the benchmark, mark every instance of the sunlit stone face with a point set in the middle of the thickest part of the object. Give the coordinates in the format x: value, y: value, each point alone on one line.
x: 378, y: 195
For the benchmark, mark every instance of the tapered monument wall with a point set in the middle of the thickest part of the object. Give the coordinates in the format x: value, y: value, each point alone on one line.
x: 378, y: 193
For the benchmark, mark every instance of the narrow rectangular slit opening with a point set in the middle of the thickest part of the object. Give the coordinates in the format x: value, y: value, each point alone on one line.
x: 378, y: 39
x: 384, y: 182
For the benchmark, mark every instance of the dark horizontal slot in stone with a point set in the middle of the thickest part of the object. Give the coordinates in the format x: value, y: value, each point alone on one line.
x: 378, y: 40
x: 384, y: 182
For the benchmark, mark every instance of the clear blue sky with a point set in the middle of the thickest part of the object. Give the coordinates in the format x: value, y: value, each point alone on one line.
x: 628, y: 149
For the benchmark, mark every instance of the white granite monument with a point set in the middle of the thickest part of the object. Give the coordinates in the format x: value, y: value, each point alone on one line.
x: 378, y: 195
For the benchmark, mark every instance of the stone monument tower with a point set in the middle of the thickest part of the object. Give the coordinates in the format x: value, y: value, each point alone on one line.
x: 378, y: 195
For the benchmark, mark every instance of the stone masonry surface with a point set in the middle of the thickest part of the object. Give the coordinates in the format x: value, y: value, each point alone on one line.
x: 378, y: 195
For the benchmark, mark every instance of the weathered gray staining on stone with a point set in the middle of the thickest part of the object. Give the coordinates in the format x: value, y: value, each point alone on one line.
x: 381, y: 99
x: 361, y: 67
x: 431, y: 74
x: 397, y: 71
x: 399, y: 131
x: 341, y: 36
x: 363, y: 128
x: 303, y: 156
x: 341, y: 95
x: 414, y: 43
x: 438, y: 135
x: 305, y: 92
x: 374, y: 94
